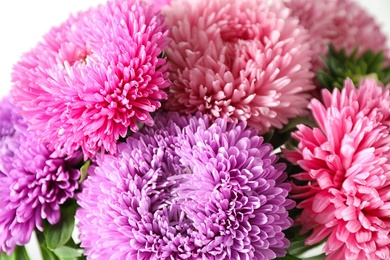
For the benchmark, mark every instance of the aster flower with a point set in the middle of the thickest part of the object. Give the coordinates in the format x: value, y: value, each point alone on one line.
x: 345, y: 180
x: 10, y: 121
x: 342, y: 23
x: 186, y: 189
x: 34, y: 181
x: 94, y: 76
x: 244, y: 60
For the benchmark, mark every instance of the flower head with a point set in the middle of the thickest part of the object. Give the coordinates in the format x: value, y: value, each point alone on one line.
x: 186, y: 189
x: 244, y: 60
x: 346, y: 168
x: 94, y: 76
x: 34, y: 182
x: 342, y: 23
x: 10, y: 121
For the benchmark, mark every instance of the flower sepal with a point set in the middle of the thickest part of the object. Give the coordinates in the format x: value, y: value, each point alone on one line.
x: 282, y: 137
x: 338, y: 66
x: 298, y: 249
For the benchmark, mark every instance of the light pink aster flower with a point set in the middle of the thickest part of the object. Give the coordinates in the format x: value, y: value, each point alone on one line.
x: 346, y: 168
x: 159, y: 4
x: 244, y: 60
x: 95, y: 76
x: 341, y: 22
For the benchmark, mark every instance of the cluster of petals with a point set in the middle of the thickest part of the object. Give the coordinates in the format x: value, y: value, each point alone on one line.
x: 342, y: 23
x: 345, y: 183
x: 186, y: 188
x: 95, y: 76
x: 245, y: 60
x: 34, y: 181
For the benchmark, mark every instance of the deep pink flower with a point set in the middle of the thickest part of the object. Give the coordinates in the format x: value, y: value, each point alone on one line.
x: 94, y: 76
x: 346, y: 168
x: 341, y: 22
x: 244, y: 60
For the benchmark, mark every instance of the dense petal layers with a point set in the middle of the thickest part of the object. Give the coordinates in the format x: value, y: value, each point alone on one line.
x: 244, y: 60
x: 186, y: 189
x: 346, y: 168
x: 95, y: 76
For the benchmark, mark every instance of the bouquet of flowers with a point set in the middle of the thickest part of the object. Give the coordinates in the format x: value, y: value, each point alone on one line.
x: 207, y: 129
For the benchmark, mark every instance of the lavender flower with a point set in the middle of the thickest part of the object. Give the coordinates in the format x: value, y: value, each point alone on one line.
x: 9, y: 120
x: 34, y: 181
x: 186, y: 189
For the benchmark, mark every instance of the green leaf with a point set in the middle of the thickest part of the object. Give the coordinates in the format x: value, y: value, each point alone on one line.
x: 47, y: 254
x: 280, y: 137
x: 84, y: 171
x: 316, y: 257
x: 19, y: 253
x: 67, y: 253
x: 58, y: 235
x: 292, y: 257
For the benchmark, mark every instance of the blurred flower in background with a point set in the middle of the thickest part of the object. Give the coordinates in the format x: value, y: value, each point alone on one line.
x: 343, y: 23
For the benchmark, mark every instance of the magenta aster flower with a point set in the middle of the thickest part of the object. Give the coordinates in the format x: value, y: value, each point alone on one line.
x: 95, y: 76
x: 34, y: 182
x: 346, y: 163
x: 341, y: 22
x: 244, y: 60
x: 186, y: 189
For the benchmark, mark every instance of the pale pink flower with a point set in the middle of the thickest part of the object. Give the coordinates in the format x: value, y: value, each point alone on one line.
x: 346, y: 168
x: 159, y: 4
x: 341, y: 22
x: 94, y: 77
x: 244, y: 60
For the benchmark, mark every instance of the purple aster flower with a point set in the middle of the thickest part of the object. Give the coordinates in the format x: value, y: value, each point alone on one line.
x: 34, y: 181
x: 186, y: 189
x: 94, y: 77
x: 9, y: 119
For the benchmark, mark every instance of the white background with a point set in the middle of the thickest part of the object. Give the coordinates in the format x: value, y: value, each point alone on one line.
x: 23, y: 22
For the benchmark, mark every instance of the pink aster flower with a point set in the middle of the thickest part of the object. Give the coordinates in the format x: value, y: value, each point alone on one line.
x: 346, y: 168
x: 244, y: 60
x: 94, y: 76
x: 341, y: 22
